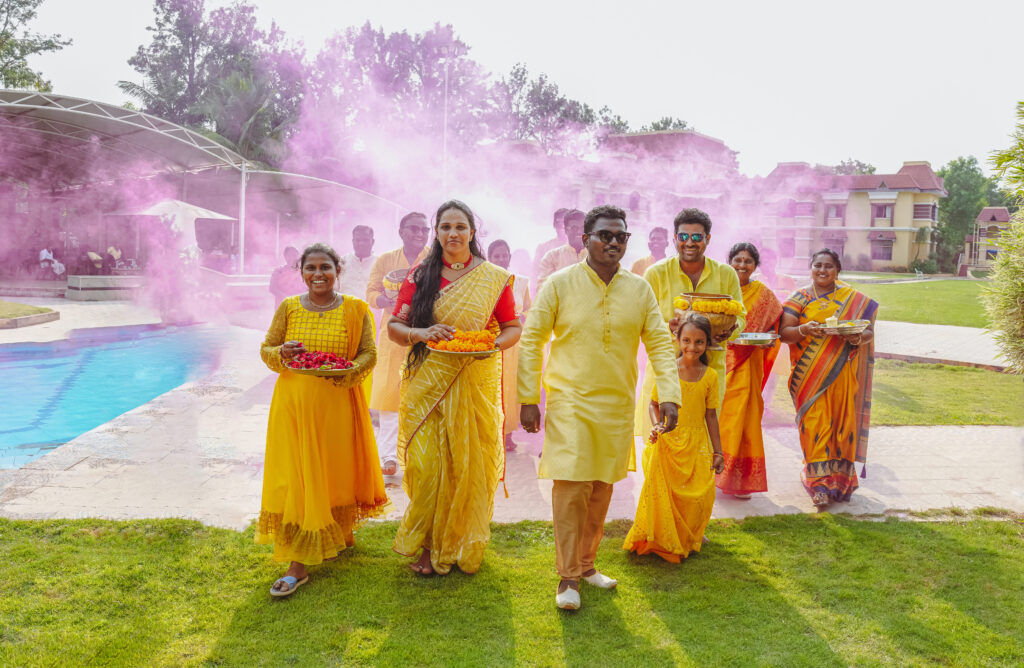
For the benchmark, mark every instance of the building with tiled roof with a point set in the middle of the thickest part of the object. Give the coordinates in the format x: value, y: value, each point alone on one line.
x: 982, y: 247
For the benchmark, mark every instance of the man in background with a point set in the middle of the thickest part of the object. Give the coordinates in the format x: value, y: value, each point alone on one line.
x: 657, y: 242
x: 568, y: 254
x: 355, y: 273
x: 550, y: 244
x: 387, y: 375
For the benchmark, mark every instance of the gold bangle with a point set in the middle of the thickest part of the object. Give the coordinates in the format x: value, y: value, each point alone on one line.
x: 408, y: 337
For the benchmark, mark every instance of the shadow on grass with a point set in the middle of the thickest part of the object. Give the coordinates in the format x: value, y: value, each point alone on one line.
x: 369, y: 608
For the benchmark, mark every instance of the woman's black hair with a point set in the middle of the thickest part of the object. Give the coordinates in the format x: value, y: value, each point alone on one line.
x: 745, y: 246
x: 700, y: 322
x: 321, y: 247
x: 428, y: 279
x: 831, y: 253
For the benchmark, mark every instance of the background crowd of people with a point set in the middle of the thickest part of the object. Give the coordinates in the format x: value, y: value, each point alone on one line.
x: 443, y: 421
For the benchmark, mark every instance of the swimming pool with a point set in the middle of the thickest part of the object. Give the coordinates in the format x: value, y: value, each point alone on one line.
x: 52, y: 392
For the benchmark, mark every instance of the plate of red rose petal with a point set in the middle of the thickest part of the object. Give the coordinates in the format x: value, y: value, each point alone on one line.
x: 316, y: 363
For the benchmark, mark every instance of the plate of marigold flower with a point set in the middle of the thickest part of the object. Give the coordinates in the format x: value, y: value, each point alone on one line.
x: 477, y: 343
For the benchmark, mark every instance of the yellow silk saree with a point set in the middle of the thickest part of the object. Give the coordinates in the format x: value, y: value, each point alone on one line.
x: 450, y: 434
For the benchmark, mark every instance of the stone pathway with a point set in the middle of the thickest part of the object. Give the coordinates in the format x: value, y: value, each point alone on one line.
x: 197, y: 452
x: 939, y: 343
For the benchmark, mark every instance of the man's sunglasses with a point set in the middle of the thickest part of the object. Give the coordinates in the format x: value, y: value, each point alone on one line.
x: 696, y: 237
x: 606, y: 237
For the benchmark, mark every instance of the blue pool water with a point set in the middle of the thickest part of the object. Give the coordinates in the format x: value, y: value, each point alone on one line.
x: 50, y: 393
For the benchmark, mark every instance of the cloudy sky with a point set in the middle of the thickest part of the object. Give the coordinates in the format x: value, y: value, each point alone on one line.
x: 814, y: 81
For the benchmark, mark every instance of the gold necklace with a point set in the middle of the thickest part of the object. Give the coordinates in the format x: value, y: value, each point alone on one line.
x: 320, y: 309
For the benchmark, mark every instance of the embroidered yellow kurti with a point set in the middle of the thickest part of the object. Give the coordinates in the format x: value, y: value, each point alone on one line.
x: 557, y: 259
x: 679, y: 484
x: 449, y: 434
x: 321, y: 477
x: 390, y: 355
x: 591, y: 371
x: 510, y: 358
x: 668, y: 281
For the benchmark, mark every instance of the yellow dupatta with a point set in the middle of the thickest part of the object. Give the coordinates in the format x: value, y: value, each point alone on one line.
x: 466, y: 304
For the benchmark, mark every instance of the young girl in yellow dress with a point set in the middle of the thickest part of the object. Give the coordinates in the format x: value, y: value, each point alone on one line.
x: 680, y: 466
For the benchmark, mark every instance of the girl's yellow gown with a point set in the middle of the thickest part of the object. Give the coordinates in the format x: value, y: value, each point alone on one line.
x: 321, y: 476
x: 679, y: 484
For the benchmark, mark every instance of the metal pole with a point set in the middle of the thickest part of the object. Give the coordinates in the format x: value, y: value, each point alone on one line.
x: 277, y: 236
x: 444, y: 136
x: 241, y: 223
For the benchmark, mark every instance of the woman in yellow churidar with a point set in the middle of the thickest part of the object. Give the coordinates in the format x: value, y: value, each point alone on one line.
x: 450, y: 414
x: 831, y: 379
x: 747, y: 368
x: 500, y: 254
x: 321, y: 478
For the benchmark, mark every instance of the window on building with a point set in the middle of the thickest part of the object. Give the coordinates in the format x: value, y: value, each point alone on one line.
x: 836, y: 210
x: 881, y: 249
x: 883, y: 211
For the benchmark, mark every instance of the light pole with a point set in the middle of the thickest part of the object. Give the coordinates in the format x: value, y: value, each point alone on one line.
x: 444, y: 132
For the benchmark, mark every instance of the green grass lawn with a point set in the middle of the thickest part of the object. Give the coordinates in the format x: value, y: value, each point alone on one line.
x: 940, y: 302
x: 854, y: 275
x: 797, y: 590
x: 928, y: 394
x: 15, y: 310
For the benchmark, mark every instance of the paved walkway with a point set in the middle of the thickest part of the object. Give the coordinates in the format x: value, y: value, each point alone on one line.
x: 197, y: 452
x: 940, y: 343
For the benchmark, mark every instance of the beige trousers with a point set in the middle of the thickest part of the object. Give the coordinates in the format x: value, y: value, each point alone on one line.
x: 578, y: 510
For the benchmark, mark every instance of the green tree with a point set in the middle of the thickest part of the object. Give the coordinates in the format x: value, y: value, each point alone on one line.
x: 1004, y: 296
x: 851, y: 166
x: 666, y: 123
x: 17, y: 43
x: 967, y: 189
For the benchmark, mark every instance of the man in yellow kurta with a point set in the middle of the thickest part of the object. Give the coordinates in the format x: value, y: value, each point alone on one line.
x: 568, y: 254
x: 691, y: 271
x: 598, y: 314
x: 414, y: 232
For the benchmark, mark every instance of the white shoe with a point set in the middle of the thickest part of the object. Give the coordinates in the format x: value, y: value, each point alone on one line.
x: 601, y: 580
x: 568, y: 599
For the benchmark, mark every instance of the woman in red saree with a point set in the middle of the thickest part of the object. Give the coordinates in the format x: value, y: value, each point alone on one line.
x: 450, y: 412
x: 831, y: 379
x: 747, y: 368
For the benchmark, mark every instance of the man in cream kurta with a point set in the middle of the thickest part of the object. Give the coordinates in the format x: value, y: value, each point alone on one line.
x: 674, y: 275
x: 598, y: 314
x: 414, y: 233
x: 572, y: 252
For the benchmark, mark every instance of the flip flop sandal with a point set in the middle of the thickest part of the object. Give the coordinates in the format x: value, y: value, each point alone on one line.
x: 292, y: 583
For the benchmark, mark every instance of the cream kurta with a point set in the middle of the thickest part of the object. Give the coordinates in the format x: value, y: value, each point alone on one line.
x: 388, y: 373
x: 557, y: 259
x: 668, y: 281
x: 591, y: 371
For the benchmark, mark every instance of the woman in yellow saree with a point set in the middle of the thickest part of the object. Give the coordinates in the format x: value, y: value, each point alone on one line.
x: 747, y: 368
x: 831, y: 379
x: 450, y: 413
x: 321, y: 478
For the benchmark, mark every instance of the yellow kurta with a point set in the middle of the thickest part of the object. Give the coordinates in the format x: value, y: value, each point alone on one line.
x: 679, y: 484
x: 321, y: 476
x: 449, y: 434
x: 390, y: 355
x: 510, y: 358
x: 591, y: 371
x: 668, y: 281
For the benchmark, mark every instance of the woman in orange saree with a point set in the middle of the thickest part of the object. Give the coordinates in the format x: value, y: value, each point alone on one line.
x: 450, y: 413
x: 747, y: 368
x: 831, y: 379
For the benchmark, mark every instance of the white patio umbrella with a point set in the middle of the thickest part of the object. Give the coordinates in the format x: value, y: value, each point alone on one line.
x: 180, y: 215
